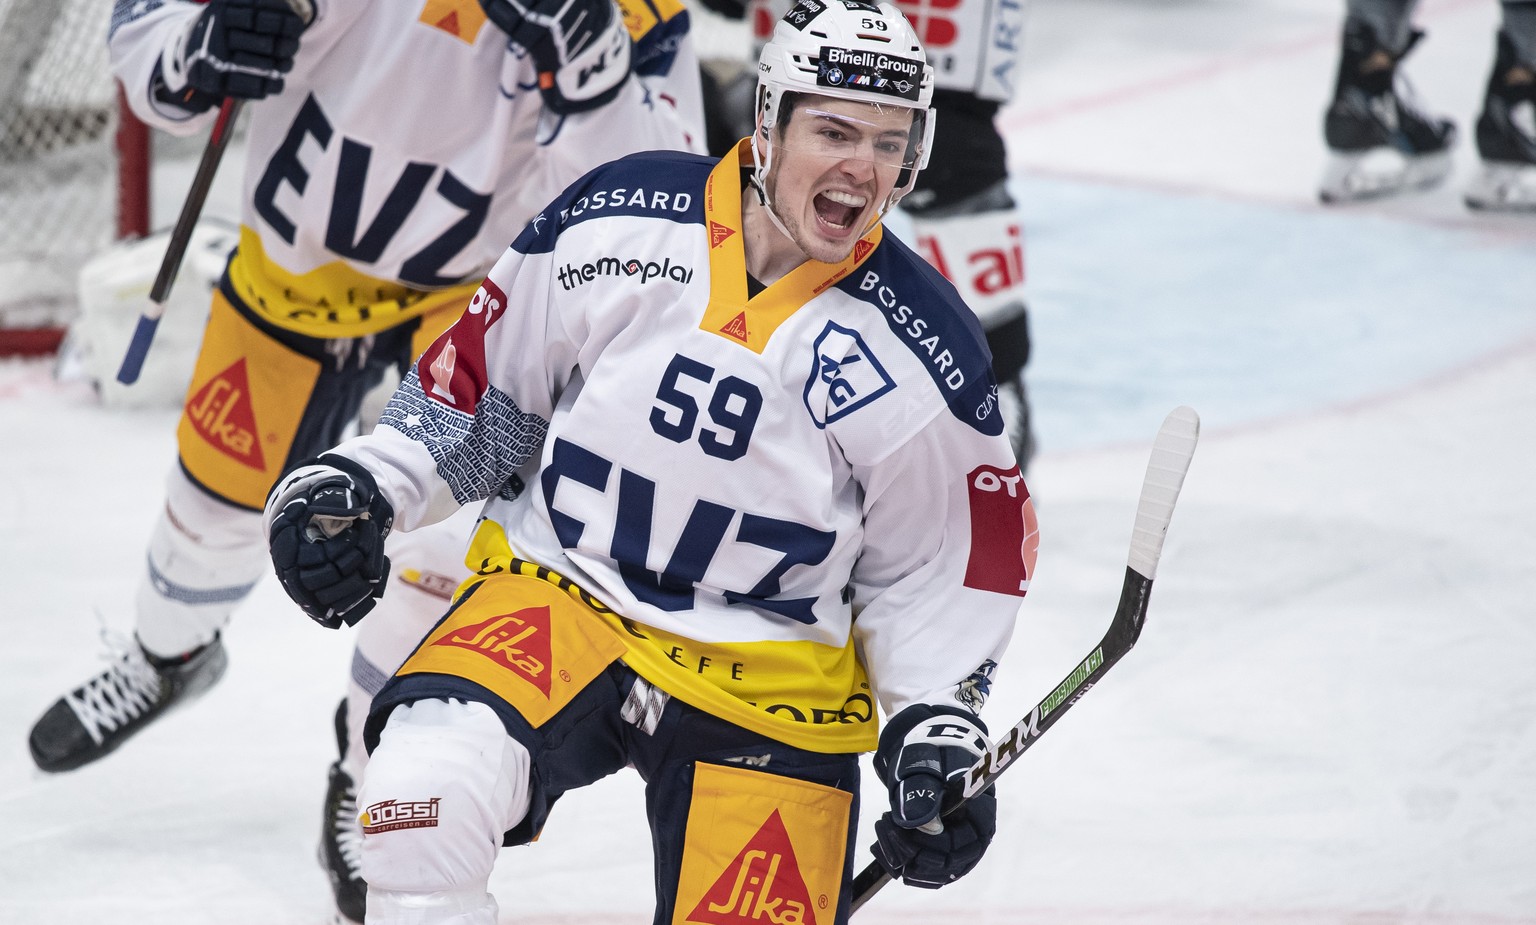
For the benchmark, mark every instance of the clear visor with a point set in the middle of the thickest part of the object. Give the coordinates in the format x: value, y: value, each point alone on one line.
x: 887, y: 136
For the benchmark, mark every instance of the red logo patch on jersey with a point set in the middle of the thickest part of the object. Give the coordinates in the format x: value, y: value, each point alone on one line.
x: 1004, y: 535
x: 736, y: 327
x: 222, y: 414
x: 718, y: 233
x: 762, y: 885
x: 517, y: 641
x: 452, y: 370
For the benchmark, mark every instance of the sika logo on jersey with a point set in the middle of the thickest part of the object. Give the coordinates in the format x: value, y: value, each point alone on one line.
x: 518, y: 641
x: 641, y: 271
x: 462, y: 19
x: 763, y: 884
x: 452, y: 370
x: 845, y: 375
x: 389, y: 815
x: 221, y: 413
x: 737, y: 327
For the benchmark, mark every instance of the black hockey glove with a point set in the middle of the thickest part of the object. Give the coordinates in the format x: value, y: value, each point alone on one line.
x: 924, y: 753
x: 579, y: 47
x: 236, y: 48
x: 328, y: 524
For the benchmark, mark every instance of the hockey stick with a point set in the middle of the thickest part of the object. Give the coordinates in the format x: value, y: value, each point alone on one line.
x: 176, y: 248
x: 1171, y: 453
x: 181, y: 234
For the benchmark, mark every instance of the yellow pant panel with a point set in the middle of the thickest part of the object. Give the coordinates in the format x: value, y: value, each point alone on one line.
x: 524, y: 639
x: 761, y: 848
x: 247, y: 396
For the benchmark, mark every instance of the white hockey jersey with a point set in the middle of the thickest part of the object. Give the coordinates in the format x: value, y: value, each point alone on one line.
x: 408, y: 146
x: 791, y: 499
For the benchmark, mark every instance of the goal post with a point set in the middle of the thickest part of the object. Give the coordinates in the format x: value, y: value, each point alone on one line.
x: 74, y: 163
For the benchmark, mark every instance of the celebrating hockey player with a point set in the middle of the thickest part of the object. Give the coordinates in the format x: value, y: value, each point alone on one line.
x: 746, y: 486
x: 963, y: 219
x: 393, y: 151
x: 1380, y: 140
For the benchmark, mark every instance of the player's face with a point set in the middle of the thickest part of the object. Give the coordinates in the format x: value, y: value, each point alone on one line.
x: 835, y: 163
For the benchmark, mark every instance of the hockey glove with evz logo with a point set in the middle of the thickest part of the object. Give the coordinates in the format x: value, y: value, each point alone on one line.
x: 326, y: 524
x: 235, y: 48
x: 924, y: 753
x: 579, y: 47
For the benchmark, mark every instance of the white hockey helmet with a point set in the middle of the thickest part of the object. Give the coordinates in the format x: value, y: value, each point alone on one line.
x: 849, y: 50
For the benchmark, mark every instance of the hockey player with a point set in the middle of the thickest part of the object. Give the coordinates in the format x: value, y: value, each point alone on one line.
x: 743, y: 472
x: 1380, y: 142
x: 964, y: 221
x: 393, y: 150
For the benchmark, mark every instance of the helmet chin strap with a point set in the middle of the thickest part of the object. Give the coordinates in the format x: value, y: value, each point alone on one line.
x: 760, y: 165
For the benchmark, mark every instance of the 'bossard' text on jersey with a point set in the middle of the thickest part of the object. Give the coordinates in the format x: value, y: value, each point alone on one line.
x: 790, y: 499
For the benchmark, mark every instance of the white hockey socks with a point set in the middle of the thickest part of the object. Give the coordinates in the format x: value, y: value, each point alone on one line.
x: 205, y: 556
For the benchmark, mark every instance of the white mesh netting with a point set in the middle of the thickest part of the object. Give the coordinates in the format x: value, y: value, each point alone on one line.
x: 58, y: 164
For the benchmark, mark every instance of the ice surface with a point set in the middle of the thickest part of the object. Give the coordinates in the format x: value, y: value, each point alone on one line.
x: 1331, y: 715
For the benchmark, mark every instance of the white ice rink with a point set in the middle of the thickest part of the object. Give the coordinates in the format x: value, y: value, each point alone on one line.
x: 1331, y: 716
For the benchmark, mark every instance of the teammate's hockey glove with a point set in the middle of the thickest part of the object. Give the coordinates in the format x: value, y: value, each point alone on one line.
x: 236, y: 48
x: 924, y: 753
x: 327, y: 524
x: 580, y: 48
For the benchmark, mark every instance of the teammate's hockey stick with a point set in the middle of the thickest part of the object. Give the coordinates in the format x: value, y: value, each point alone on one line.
x: 1171, y: 453
x: 181, y: 234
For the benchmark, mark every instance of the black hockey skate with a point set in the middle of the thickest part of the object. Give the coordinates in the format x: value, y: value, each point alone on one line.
x: 1379, y: 141
x: 135, y: 690
x: 341, y: 836
x: 1506, y: 137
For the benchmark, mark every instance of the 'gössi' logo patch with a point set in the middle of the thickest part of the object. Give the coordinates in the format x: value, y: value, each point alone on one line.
x: 869, y: 70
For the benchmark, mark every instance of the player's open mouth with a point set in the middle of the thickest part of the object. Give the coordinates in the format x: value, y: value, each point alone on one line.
x: 838, y: 209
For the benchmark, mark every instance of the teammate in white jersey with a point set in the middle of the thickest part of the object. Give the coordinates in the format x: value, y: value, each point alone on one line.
x: 392, y: 151
x: 745, y: 482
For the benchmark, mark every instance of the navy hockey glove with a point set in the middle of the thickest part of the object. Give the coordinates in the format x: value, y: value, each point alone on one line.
x: 924, y: 753
x: 236, y: 48
x: 328, y: 522
x: 579, y: 47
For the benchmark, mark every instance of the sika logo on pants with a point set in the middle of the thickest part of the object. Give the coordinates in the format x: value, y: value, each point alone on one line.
x: 221, y: 413
x: 761, y: 849
x: 762, y: 885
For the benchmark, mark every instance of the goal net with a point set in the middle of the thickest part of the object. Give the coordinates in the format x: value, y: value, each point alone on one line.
x: 73, y: 171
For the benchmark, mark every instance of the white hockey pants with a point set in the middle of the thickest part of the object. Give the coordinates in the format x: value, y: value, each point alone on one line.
x: 444, y: 784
